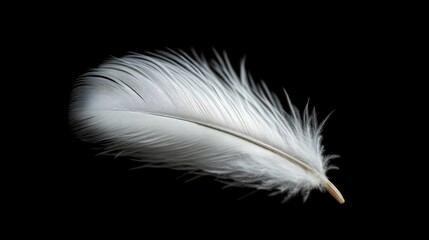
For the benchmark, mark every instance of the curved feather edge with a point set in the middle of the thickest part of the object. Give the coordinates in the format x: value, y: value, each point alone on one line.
x: 172, y: 110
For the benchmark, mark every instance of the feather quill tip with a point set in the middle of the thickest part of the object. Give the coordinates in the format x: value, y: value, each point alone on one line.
x: 333, y: 191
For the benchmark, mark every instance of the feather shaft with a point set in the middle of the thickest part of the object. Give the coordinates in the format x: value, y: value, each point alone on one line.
x: 328, y: 185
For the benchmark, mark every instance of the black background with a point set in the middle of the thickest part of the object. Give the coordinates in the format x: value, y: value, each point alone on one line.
x: 338, y: 60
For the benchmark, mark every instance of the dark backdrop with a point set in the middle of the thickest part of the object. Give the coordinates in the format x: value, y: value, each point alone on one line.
x: 335, y: 59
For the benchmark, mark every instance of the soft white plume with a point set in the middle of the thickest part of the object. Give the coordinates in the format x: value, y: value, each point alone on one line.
x: 173, y: 110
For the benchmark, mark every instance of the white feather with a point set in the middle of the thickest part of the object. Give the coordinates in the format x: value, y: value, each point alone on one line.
x: 173, y: 110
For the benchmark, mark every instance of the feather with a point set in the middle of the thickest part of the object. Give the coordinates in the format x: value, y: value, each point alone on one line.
x: 171, y: 109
